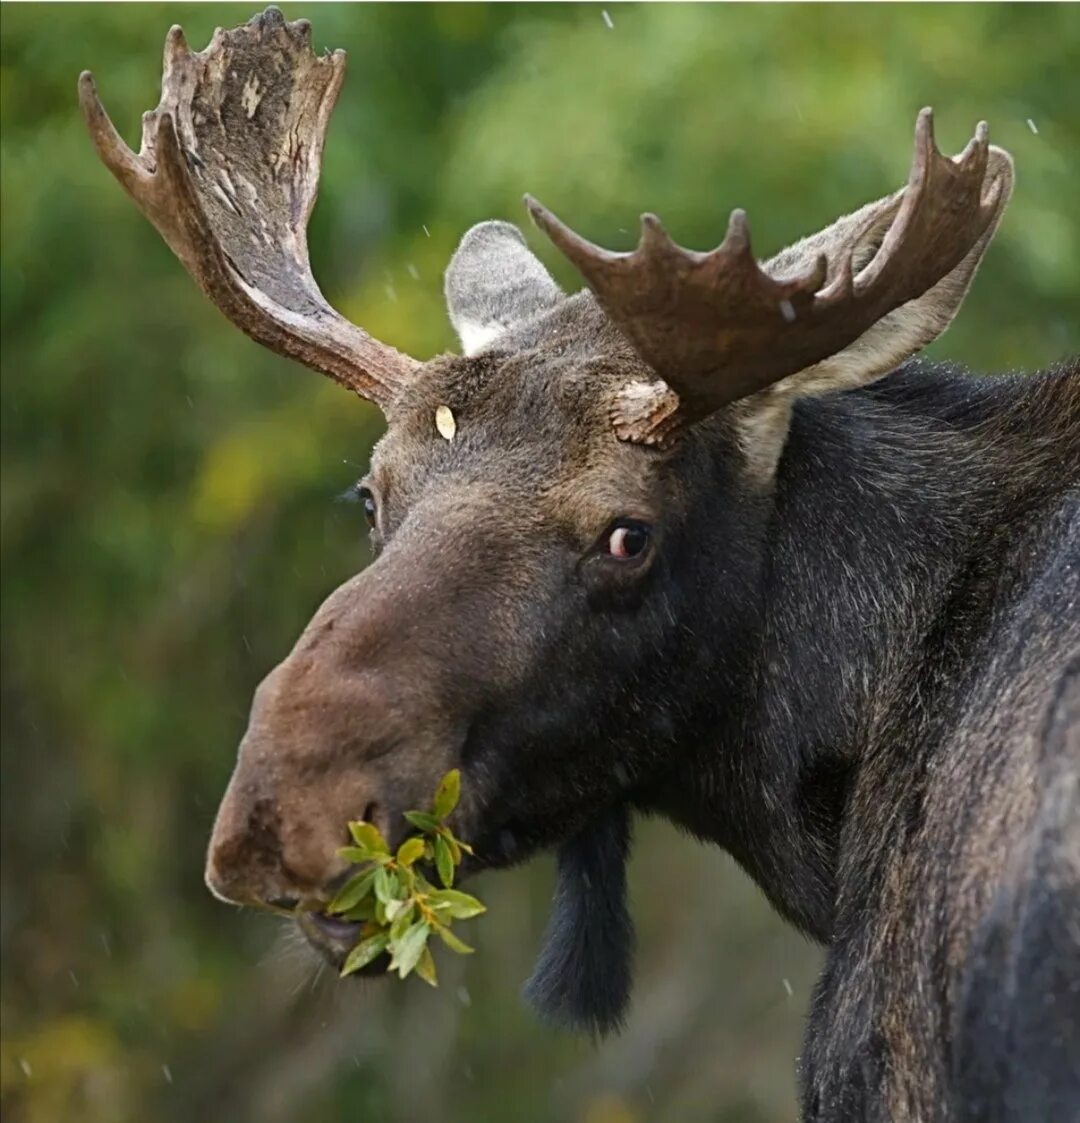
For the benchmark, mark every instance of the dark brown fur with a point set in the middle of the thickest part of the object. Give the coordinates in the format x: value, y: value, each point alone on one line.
x: 844, y: 677
x: 848, y: 650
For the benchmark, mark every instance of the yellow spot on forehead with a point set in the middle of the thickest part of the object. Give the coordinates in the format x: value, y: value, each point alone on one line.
x: 445, y: 423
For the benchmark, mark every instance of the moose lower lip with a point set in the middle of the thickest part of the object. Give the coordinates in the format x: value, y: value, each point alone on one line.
x: 333, y: 928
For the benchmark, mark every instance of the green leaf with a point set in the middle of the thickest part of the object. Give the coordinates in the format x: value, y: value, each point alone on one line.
x: 354, y: 854
x: 401, y: 920
x: 425, y: 967
x: 444, y: 861
x: 411, y: 850
x: 447, y: 794
x: 452, y: 843
x: 407, y: 877
x: 387, y: 885
x: 353, y: 892
x: 453, y: 942
x: 422, y: 819
x: 422, y: 885
x: 362, y: 910
x: 408, y: 949
x: 367, y: 837
x: 365, y: 952
x: 455, y: 903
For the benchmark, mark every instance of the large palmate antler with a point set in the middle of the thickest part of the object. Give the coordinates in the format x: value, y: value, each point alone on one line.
x: 718, y: 326
x: 228, y: 172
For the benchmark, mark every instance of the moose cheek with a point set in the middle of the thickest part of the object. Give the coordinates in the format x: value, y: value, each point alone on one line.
x: 616, y: 586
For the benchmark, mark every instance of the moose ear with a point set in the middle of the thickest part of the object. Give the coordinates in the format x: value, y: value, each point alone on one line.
x: 905, y: 330
x: 582, y: 977
x: 493, y: 282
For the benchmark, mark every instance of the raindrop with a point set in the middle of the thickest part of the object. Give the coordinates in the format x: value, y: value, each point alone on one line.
x: 24, y: 1064
x: 413, y: 271
x: 621, y: 774
x: 391, y: 292
x: 608, y: 20
x: 104, y: 936
x: 464, y: 997
x: 167, y: 1073
x: 74, y: 978
x: 425, y: 230
x: 787, y: 310
x: 1032, y: 126
x: 787, y: 987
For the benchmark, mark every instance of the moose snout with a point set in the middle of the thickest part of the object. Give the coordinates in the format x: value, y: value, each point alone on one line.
x: 326, y: 744
x: 270, y: 849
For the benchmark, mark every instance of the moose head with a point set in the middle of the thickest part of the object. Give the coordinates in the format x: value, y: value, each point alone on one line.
x: 567, y: 518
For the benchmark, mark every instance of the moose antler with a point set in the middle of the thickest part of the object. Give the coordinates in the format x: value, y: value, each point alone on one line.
x: 718, y: 327
x: 228, y: 172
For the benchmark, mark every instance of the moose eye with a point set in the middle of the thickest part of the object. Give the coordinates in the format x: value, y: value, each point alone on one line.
x: 627, y: 540
x: 367, y: 501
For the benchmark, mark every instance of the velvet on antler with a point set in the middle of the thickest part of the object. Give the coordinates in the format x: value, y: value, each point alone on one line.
x: 228, y: 172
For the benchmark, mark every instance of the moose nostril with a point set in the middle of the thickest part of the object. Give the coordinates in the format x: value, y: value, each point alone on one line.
x: 286, y: 904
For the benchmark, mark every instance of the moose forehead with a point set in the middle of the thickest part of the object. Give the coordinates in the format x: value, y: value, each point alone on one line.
x: 532, y: 417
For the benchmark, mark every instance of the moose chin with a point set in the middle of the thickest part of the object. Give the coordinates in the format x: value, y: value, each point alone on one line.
x: 704, y: 540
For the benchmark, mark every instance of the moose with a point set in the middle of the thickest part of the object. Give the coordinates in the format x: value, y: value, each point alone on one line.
x: 703, y: 541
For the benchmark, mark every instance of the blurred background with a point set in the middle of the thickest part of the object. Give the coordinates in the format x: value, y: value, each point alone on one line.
x: 169, y: 522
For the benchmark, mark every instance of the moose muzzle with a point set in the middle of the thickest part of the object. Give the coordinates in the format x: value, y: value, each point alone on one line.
x: 357, y: 722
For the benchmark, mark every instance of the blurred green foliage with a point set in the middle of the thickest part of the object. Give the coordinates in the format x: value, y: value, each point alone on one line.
x: 169, y: 524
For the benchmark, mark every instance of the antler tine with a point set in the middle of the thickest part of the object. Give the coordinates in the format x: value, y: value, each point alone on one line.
x: 228, y: 173
x: 935, y: 184
x: 111, y: 149
x: 718, y: 326
x: 581, y: 252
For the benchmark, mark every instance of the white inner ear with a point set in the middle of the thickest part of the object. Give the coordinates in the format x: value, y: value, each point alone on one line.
x: 475, y: 337
x: 493, y: 283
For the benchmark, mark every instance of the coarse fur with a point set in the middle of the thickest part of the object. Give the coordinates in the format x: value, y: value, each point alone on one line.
x: 583, y: 975
x: 845, y: 646
x: 842, y: 677
x: 889, y: 776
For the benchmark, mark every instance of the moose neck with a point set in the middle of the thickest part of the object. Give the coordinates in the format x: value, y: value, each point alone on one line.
x: 881, y: 532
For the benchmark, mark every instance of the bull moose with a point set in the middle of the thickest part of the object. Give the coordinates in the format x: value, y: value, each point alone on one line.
x: 702, y: 541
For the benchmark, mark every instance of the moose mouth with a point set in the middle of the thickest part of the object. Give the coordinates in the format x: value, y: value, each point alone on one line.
x: 333, y: 938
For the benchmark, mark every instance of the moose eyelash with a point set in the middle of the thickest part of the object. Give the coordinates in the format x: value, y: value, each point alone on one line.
x: 351, y: 494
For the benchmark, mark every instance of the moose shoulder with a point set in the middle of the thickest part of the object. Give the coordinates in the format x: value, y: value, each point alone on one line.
x: 702, y: 541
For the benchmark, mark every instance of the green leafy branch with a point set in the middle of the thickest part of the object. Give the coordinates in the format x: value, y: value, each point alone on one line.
x: 399, y: 909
